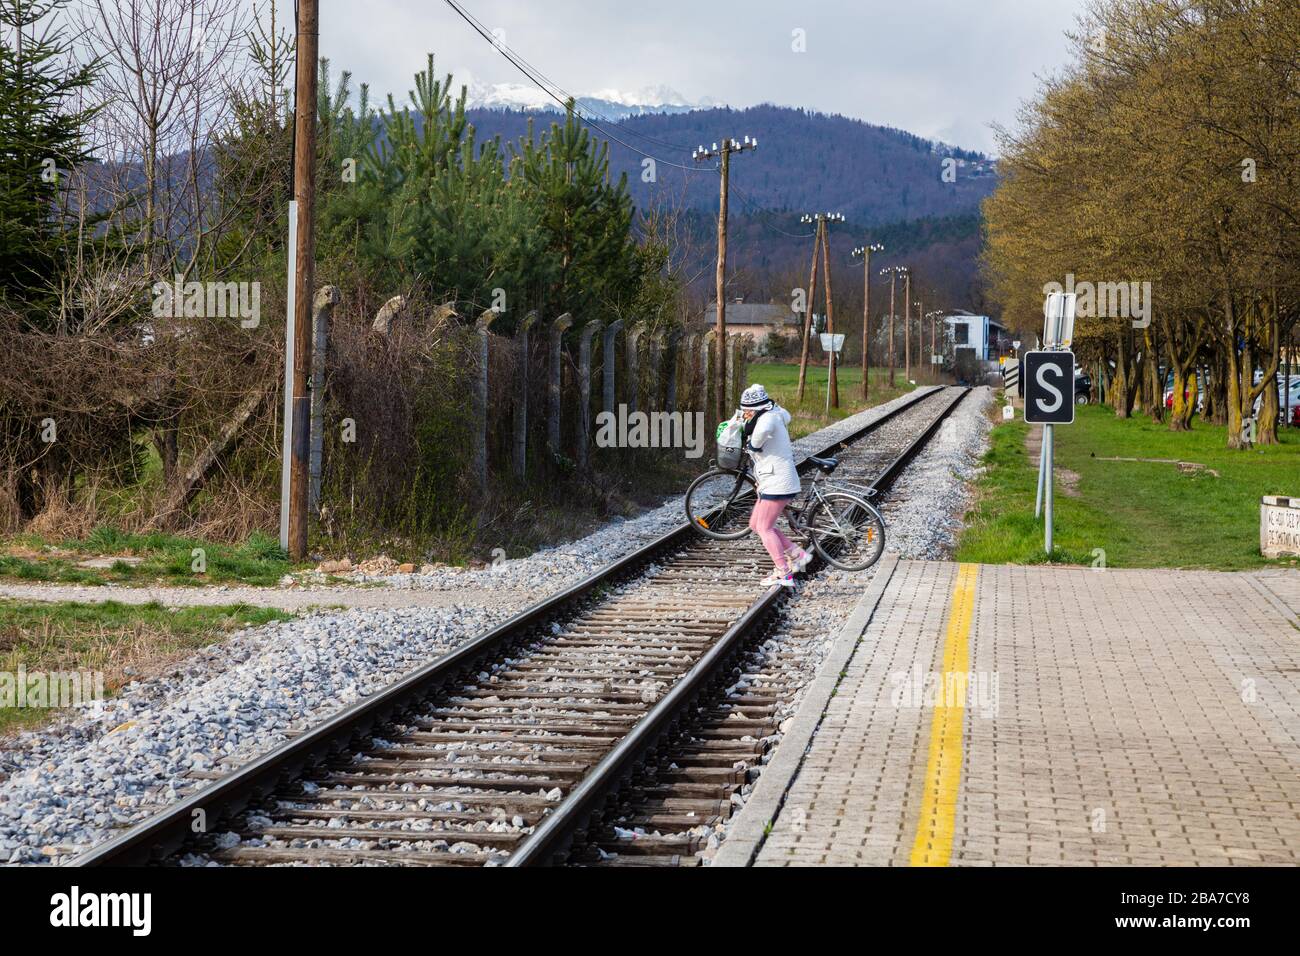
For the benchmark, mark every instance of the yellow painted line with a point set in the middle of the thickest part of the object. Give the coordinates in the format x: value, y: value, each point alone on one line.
x: 933, y: 844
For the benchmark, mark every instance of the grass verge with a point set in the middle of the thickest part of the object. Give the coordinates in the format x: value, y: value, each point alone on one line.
x: 119, y: 641
x: 806, y: 417
x: 171, y: 559
x: 1137, y: 514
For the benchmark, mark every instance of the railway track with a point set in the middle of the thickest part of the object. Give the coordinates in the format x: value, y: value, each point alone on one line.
x: 519, y: 745
x: 683, y: 792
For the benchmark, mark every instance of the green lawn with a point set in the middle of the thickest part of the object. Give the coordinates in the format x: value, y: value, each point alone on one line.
x: 121, y: 641
x: 170, y: 559
x: 782, y: 383
x: 1140, y: 514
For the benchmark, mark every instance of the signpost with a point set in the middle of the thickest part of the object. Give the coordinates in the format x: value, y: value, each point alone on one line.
x: 1048, y: 385
x: 834, y: 344
x: 1049, y: 388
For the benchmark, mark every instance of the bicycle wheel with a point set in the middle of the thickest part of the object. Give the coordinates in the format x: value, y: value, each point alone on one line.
x: 847, y: 531
x: 718, y: 503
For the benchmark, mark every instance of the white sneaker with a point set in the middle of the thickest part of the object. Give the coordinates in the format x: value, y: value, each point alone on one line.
x: 798, y: 559
x: 783, y: 578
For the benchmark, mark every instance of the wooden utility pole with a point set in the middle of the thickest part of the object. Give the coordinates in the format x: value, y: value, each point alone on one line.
x: 907, y: 326
x: 808, y: 307
x: 304, y: 187
x: 720, y: 367
x: 729, y: 146
x: 920, y: 335
x: 866, y: 322
x: 822, y: 242
x: 834, y: 384
x: 865, y: 253
x: 893, y: 281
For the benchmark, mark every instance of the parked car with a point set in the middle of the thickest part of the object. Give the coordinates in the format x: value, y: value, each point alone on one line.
x: 1291, y: 400
x: 1283, y: 400
x: 1200, y: 397
x: 1082, y: 386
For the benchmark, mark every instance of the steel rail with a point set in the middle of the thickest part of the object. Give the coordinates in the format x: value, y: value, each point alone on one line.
x: 167, y: 830
x: 553, y: 836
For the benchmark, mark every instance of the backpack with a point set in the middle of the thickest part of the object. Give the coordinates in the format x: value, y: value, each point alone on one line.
x: 731, y: 443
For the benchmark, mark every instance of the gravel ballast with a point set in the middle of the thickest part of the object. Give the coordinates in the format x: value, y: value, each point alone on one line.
x: 81, y: 779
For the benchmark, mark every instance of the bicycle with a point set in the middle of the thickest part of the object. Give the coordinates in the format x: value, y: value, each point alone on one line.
x: 839, y: 523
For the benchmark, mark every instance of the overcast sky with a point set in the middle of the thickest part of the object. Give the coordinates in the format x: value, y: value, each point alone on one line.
x: 943, y: 69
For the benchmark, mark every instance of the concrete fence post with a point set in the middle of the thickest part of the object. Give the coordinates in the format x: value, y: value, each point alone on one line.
x: 611, y: 361
x: 634, y: 364
x: 732, y: 378
x: 584, y: 393
x: 655, y: 379
x: 394, y: 308
x: 706, y: 353
x: 322, y: 310
x: 690, y: 367
x: 670, y: 369
x: 441, y: 317
x: 554, y: 356
x: 482, y: 326
x: 519, y: 456
x: 743, y: 352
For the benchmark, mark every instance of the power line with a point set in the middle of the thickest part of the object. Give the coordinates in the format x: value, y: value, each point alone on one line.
x: 521, y: 65
x: 757, y: 211
x: 481, y: 27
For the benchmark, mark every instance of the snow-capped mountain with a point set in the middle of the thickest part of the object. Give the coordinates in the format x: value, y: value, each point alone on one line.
x: 609, y: 103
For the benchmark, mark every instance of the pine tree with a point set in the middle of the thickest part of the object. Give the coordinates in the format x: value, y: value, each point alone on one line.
x: 586, y: 218
x: 41, y: 138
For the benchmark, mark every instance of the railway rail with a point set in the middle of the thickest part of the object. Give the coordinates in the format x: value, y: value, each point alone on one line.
x: 517, y: 747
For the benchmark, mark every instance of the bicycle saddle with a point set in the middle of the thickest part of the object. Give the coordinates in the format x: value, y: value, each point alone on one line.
x: 827, y: 465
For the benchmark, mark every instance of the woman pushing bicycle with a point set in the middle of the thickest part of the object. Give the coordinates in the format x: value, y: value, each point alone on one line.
x: 754, y: 479
x: 777, y: 480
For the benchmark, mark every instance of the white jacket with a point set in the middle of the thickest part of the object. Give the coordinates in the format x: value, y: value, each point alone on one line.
x: 774, y: 469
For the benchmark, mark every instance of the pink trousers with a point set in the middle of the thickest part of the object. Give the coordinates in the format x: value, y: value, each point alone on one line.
x: 763, y: 522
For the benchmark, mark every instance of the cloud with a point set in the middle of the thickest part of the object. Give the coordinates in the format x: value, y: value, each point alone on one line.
x: 939, y: 68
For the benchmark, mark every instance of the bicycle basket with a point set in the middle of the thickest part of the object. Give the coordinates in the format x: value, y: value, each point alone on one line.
x: 731, y: 445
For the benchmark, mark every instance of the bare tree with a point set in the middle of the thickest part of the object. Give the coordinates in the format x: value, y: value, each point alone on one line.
x: 169, y: 69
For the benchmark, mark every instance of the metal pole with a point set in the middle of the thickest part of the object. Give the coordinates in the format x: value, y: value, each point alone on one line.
x: 1049, y: 459
x: 1286, y: 391
x: 830, y: 374
x: 1042, y: 464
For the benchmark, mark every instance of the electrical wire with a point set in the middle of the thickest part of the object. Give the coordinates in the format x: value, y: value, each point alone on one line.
x: 757, y: 211
x: 521, y: 65
x: 481, y: 28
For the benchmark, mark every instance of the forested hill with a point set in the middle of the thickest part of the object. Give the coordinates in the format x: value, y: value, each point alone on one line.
x: 888, y: 183
x: 806, y: 161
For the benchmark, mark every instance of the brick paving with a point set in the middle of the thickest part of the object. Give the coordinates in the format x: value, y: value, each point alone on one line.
x: 1112, y: 717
